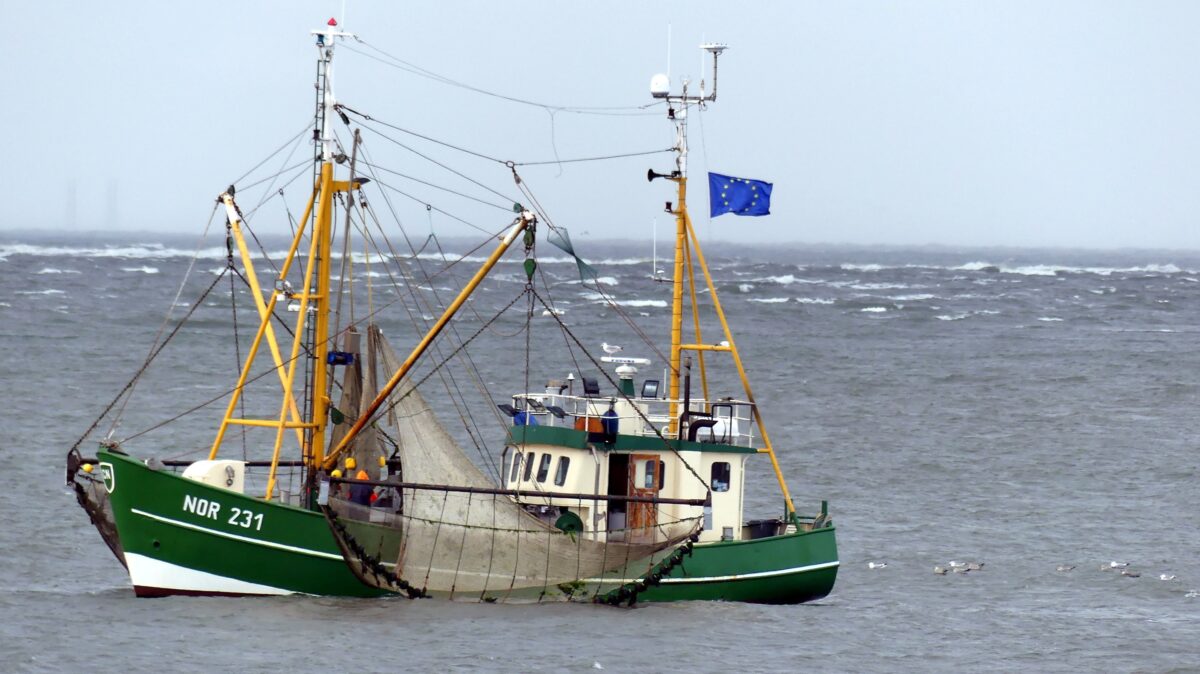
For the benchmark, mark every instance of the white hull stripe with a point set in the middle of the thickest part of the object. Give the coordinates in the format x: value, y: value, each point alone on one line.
x: 152, y: 573
x: 236, y: 537
x: 722, y: 579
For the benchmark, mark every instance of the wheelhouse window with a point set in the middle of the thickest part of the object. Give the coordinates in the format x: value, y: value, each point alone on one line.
x: 720, y: 476
x: 544, y: 467
x: 560, y: 475
x: 516, y: 467
x: 529, y: 466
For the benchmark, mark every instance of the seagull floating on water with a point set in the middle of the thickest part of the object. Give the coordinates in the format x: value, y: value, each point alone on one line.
x: 1166, y: 576
x: 610, y: 349
x: 1113, y: 565
x: 957, y: 565
x: 1065, y: 567
x: 1131, y: 574
x: 941, y: 571
x: 876, y: 565
x: 974, y: 566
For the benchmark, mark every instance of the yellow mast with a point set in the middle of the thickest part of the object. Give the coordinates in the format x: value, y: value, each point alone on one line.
x: 677, y: 300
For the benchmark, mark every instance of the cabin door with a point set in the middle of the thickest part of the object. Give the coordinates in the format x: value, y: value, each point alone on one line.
x: 644, y: 480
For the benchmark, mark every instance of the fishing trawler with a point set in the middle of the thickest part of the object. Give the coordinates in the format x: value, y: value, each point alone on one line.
x: 624, y: 491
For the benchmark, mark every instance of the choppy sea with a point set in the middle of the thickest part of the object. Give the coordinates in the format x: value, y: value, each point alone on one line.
x: 1027, y: 409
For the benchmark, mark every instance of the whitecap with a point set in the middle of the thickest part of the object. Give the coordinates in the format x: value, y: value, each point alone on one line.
x: 1054, y: 270
x: 636, y: 303
x: 880, y: 286
x: 745, y: 287
x: 861, y: 267
x: 1049, y: 319
x: 48, y: 291
x: 874, y: 310
x: 951, y: 317
x: 52, y: 270
x: 913, y: 298
x: 606, y: 280
x: 814, y: 300
x: 768, y: 300
x: 142, y: 269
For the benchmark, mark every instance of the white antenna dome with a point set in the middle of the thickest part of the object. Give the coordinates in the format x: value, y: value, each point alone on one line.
x: 660, y: 86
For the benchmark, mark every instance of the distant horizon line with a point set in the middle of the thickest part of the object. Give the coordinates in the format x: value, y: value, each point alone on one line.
x: 626, y: 241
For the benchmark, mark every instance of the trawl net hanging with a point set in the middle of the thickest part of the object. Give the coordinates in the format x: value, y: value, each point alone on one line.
x: 477, y: 546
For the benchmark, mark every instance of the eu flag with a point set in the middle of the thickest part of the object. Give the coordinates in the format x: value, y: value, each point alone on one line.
x: 740, y: 196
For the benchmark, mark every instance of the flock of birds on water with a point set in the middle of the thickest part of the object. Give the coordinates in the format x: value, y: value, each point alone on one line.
x: 954, y: 566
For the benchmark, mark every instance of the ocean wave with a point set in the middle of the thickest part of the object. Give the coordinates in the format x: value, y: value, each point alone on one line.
x: 1056, y: 270
x: 48, y: 291
x: 53, y: 270
x: 1050, y: 319
x: 874, y: 310
x: 913, y: 298
x: 143, y: 269
x: 861, y: 267
x: 745, y: 287
x: 814, y: 300
x: 951, y: 317
x: 635, y: 303
x: 768, y: 300
x: 882, y: 286
x: 133, y: 251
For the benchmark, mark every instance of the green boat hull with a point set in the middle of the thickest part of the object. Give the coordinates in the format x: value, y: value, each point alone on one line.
x: 786, y: 569
x: 183, y: 537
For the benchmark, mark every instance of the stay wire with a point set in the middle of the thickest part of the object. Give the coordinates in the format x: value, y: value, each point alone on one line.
x: 448, y: 381
x: 446, y: 167
x: 614, y: 384
x: 609, y: 301
x: 162, y: 326
x: 480, y: 155
x: 414, y: 69
x: 439, y: 187
x: 266, y: 159
x: 155, y: 349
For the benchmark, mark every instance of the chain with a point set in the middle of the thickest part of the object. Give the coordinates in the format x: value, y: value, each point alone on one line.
x: 367, y: 561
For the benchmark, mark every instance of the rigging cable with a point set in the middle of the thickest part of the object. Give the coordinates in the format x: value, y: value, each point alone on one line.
x: 155, y: 349
x: 468, y: 419
x: 400, y: 64
x: 166, y: 319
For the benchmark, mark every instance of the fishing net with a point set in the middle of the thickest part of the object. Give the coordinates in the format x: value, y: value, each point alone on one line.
x: 447, y: 540
x: 93, y: 498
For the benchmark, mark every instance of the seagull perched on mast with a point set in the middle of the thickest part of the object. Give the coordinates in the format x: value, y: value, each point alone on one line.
x: 610, y: 349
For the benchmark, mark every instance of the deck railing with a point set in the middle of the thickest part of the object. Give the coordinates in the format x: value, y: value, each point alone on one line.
x: 725, y: 421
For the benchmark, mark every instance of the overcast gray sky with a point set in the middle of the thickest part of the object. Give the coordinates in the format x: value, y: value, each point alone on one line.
x: 947, y: 122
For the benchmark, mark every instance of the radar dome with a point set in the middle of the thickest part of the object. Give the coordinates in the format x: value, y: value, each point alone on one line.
x: 660, y: 86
